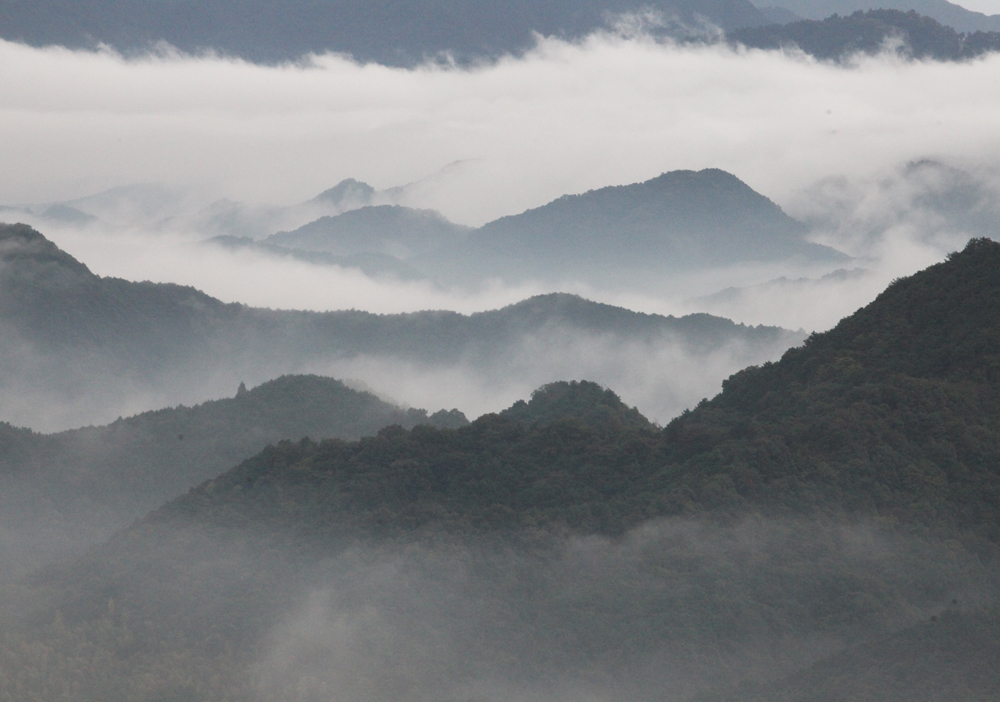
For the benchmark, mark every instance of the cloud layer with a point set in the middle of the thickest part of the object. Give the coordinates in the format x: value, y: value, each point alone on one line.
x: 566, y: 118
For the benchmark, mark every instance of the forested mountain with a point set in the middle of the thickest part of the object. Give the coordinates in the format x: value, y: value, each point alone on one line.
x: 947, y: 13
x: 390, y: 230
x: 62, y: 492
x: 681, y: 220
x: 396, y: 32
x: 870, y: 32
x: 893, y: 413
x: 565, y: 547
x: 78, y: 348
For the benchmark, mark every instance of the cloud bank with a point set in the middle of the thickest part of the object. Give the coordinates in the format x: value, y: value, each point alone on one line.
x: 565, y: 118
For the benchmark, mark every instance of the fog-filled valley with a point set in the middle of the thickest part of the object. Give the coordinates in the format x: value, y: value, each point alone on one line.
x: 518, y: 351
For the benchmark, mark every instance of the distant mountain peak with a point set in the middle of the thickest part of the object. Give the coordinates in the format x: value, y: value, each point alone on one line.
x: 679, y: 219
x: 581, y: 401
x: 347, y: 191
x: 22, y: 245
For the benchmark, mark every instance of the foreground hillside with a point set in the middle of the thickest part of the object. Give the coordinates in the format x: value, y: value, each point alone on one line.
x: 78, y: 348
x: 947, y: 658
x: 567, y: 547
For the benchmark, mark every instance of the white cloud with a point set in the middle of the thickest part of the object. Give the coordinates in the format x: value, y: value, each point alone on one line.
x: 566, y: 118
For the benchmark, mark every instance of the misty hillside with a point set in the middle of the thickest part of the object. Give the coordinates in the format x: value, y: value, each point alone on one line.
x: 388, y: 31
x: 826, y: 501
x: 678, y: 221
x: 62, y: 492
x: 390, y: 230
x: 951, y: 657
x: 893, y: 413
x: 79, y: 348
x: 947, y: 13
x: 373, y: 265
x: 869, y: 33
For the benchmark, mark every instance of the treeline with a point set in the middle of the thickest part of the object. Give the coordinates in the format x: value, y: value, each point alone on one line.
x: 838, y: 38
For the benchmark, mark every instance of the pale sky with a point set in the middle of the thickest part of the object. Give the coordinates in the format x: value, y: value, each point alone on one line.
x: 988, y: 7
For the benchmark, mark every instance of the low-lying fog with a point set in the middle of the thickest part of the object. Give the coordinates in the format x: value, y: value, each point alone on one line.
x: 672, y: 609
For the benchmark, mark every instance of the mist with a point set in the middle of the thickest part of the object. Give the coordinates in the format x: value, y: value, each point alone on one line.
x: 565, y: 118
x: 661, y: 377
x: 495, y: 139
x: 675, y: 608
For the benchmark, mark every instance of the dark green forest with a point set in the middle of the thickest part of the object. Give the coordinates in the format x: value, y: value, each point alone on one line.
x: 836, y: 507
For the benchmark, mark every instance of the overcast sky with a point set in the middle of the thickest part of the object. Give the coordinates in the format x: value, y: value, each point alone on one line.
x: 988, y: 7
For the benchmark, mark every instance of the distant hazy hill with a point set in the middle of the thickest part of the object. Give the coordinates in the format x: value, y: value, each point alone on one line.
x: 680, y: 220
x: 374, y: 265
x: 387, y: 31
x: 61, y: 492
x: 948, y: 14
x: 78, y: 348
x: 402, y: 232
x: 868, y: 32
x: 820, y: 503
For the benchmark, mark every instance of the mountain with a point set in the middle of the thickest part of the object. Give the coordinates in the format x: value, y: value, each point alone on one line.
x: 893, y: 413
x: 348, y: 194
x: 870, y: 32
x: 78, y: 348
x: 395, y: 32
x: 391, y: 230
x: 779, y: 15
x: 577, y: 401
x: 795, y: 535
x: 679, y: 220
x: 64, y: 491
x: 948, y: 14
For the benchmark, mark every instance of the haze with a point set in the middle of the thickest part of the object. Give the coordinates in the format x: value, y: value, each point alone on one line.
x: 478, y: 143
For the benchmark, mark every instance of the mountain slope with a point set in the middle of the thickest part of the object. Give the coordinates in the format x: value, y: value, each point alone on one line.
x: 373, y: 265
x: 870, y: 32
x: 62, y: 492
x: 944, y: 659
x: 392, y: 230
x: 393, y: 32
x: 947, y: 13
x: 78, y: 348
x: 826, y: 501
x: 893, y: 414
x: 677, y: 221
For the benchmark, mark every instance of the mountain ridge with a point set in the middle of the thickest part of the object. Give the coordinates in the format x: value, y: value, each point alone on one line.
x: 843, y: 494
x: 389, y: 32
x: 95, y: 341
x: 677, y: 221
